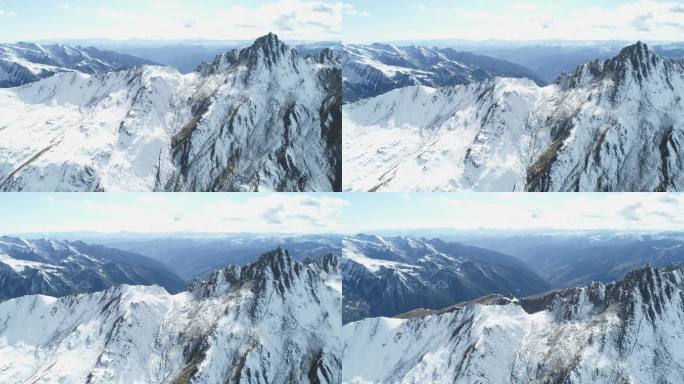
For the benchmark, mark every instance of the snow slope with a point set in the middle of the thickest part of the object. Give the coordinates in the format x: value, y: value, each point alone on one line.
x: 263, y: 118
x: 613, y: 125
x: 624, y: 332
x: 274, y: 321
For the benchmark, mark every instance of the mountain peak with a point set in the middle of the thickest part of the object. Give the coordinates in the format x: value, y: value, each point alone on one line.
x: 268, y: 47
x: 633, y: 60
x: 637, y: 48
x: 276, y: 267
x: 653, y: 286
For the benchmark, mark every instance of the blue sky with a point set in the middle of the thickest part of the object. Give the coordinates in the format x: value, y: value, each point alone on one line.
x: 169, y: 19
x: 386, y: 20
x: 334, y: 212
x: 170, y: 212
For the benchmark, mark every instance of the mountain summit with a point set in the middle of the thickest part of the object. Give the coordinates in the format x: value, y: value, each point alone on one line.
x: 612, y: 125
x: 261, y: 119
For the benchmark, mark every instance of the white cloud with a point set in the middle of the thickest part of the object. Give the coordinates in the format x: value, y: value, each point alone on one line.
x: 648, y: 20
x: 6, y: 13
x: 350, y: 10
x: 290, y: 19
x: 628, y: 211
x: 163, y: 213
x: 65, y: 6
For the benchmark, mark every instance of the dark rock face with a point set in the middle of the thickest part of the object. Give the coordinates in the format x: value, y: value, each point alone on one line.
x: 282, y: 124
x: 420, y: 273
x: 641, y: 139
x: 62, y: 268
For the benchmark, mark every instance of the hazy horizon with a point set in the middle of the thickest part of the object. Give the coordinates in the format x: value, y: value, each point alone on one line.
x: 645, y: 20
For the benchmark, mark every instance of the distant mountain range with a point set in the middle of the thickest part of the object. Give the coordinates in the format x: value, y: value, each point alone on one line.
x: 548, y: 61
x: 23, y: 63
x: 186, y: 56
x: 61, y: 268
x: 371, y: 70
x: 386, y: 276
x: 570, y: 260
x: 191, y: 257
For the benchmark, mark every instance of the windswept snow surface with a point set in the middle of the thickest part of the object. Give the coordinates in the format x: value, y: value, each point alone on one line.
x: 273, y: 321
x: 613, y: 125
x: 264, y: 118
x: 624, y: 332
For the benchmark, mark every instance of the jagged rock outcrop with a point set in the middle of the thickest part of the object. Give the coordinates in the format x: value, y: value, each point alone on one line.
x: 274, y: 321
x: 613, y: 125
x: 628, y: 331
x: 263, y: 118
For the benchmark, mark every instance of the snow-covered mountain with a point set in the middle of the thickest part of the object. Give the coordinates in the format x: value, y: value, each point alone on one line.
x: 273, y: 321
x: 263, y: 118
x: 387, y: 276
x: 628, y: 331
x: 24, y: 63
x: 371, y: 70
x: 613, y: 125
x: 60, y: 268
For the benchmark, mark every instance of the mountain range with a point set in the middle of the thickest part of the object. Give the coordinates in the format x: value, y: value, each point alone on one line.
x: 272, y: 321
x: 628, y: 331
x: 23, y: 63
x: 258, y: 119
x: 191, y: 257
x: 61, y: 268
x: 386, y: 276
x: 371, y: 70
x: 611, y: 125
x: 567, y: 260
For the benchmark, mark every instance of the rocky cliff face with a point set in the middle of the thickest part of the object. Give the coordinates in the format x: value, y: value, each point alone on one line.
x: 272, y: 321
x: 624, y: 332
x: 613, y: 125
x: 263, y: 118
